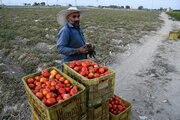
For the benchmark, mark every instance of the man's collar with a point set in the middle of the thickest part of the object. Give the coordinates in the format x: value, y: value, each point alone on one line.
x: 70, y: 25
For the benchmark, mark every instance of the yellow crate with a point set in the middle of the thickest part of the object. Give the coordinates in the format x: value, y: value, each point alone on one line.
x: 173, y: 35
x: 125, y: 115
x: 36, y: 116
x: 59, y: 111
x: 34, y: 113
x: 99, y: 112
x: 96, y: 92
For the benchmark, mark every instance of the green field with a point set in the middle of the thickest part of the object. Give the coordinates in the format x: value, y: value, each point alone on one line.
x: 28, y: 39
x: 175, y: 14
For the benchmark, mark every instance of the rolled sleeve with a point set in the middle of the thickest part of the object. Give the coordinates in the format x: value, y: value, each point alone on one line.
x: 62, y: 44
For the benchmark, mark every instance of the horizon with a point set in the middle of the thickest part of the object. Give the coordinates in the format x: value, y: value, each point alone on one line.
x: 149, y: 4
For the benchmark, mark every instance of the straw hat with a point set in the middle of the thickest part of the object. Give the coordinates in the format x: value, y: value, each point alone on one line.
x: 61, y: 16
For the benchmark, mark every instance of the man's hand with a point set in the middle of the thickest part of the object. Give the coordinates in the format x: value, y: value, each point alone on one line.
x: 83, y: 49
x: 91, y: 50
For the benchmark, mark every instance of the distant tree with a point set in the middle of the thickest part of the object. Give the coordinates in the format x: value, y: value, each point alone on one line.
x: 122, y: 7
x: 25, y: 4
x: 35, y: 4
x: 113, y: 6
x: 127, y: 6
x: 161, y: 9
x: 140, y: 7
x: 70, y: 5
x: 29, y: 4
x: 43, y: 3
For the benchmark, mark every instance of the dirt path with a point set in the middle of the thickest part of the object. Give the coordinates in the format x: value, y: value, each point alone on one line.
x: 148, y: 75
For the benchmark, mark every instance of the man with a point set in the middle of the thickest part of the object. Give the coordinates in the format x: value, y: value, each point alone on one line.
x: 71, y: 44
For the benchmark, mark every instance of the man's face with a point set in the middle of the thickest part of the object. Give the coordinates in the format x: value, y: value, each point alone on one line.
x: 73, y: 18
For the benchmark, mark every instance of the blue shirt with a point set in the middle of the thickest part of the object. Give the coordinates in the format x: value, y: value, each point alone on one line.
x: 70, y: 39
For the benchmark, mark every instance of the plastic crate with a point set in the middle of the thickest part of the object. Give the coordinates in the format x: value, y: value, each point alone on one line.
x: 99, y: 112
x: 96, y: 92
x: 125, y: 115
x: 174, y: 35
x: 36, y: 116
x: 59, y: 111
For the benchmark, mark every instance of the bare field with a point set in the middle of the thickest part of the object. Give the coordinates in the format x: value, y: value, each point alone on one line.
x: 28, y: 43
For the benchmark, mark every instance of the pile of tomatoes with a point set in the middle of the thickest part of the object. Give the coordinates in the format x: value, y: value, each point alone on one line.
x: 116, y: 106
x: 89, y: 69
x: 51, y: 87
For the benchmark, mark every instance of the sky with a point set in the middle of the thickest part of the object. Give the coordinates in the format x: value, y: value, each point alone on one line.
x: 150, y: 4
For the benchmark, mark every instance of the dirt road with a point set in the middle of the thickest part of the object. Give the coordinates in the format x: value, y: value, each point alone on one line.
x: 148, y: 75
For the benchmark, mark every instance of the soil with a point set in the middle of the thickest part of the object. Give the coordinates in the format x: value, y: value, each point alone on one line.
x: 148, y: 75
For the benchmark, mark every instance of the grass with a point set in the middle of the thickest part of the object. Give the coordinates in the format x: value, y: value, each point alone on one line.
x: 21, y: 29
x: 175, y: 14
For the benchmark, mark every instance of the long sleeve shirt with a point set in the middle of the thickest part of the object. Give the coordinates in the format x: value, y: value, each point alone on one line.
x: 70, y: 39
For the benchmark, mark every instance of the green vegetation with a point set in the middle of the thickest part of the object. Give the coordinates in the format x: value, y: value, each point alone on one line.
x: 175, y: 14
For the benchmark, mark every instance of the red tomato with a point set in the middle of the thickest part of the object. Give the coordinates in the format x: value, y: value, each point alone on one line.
x: 44, y: 100
x: 58, y: 76
x: 42, y: 79
x: 110, y: 100
x: 67, y: 89
x: 51, y: 101
x: 90, y: 75
x: 59, y: 86
x: 114, y: 106
x: 101, y: 70
x: 76, y: 69
x: 30, y: 80
x: 68, y: 85
x: 74, y: 62
x: 90, y: 68
x: 45, y: 73
x: 58, y: 98
x: 53, y: 89
x: 35, y: 91
x: 84, y: 69
x: 73, y: 91
x: 75, y: 87
x: 84, y: 64
x: 50, y: 95
x: 62, y: 90
x: 96, y: 69
x: 120, y: 107
x: 45, y: 91
x: 72, y: 65
x: 78, y: 63
x: 96, y: 75
x: 39, y: 95
x: 37, y: 78
x: 107, y: 73
x: 62, y: 79
x: 110, y: 106
x: 83, y: 73
x: 66, y: 82
x: 31, y: 86
x: 65, y: 96
x: 53, y: 83
x: 38, y: 83
x: 53, y: 72
x: 104, y: 67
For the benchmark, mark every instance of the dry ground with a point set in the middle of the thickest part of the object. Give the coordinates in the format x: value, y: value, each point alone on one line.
x: 148, y: 75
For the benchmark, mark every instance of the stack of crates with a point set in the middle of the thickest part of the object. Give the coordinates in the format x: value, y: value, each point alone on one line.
x: 97, y: 92
x: 90, y: 103
x: 65, y: 110
x: 174, y: 35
